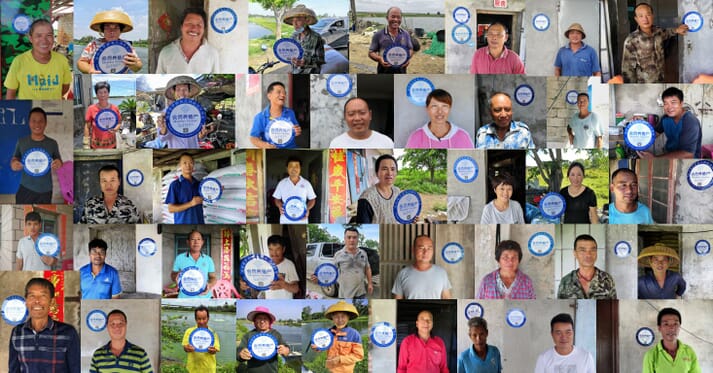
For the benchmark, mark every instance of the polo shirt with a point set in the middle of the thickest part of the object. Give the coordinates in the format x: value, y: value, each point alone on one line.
x: 200, y: 362
x: 31, y: 260
x: 204, y: 263
x: 262, y: 119
x: 583, y: 62
x: 132, y: 359
x: 53, y: 349
x: 508, y: 62
x: 181, y: 191
x: 286, y: 189
x: 657, y: 360
x: 685, y: 135
x: 102, y: 286
x: 381, y: 40
x: 418, y: 356
x: 469, y: 361
x: 518, y: 137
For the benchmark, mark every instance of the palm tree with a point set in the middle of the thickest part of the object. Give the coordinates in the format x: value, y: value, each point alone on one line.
x: 128, y: 107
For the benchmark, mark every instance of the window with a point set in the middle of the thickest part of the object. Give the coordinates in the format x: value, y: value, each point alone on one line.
x: 181, y: 244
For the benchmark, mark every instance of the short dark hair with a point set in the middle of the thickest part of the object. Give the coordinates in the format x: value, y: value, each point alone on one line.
x: 643, y: 4
x: 503, y: 178
x: 273, y: 85
x: 561, y: 318
x: 623, y: 170
x: 184, y: 154
x: 440, y: 95
x: 98, y: 242
x: 293, y: 158
x: 38, y: 22
x: 109, y: 167
x: 672, y: 91
x: 117, y: 312
x: 195, y: 10
x: 573, y: 165
x: 194, y: 231
x: 101, y: 85
x: 584, y: 237
x: 382, y: 158
x: 508, y: 245
x: 351, y: 229
x: 500, y: 24
x: 344, y: 110
x: 585, y: 94
x: 33, y: 216
x: 39, y: 281
x: 38, y: 110
x: 419, y: 236
x: 276, y: 239
x: 668, y: 311
x: 477, y: 322
x: 201, y: 308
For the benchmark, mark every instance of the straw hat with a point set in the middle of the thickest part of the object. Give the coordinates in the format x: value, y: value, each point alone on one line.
x: 342, y: 306
x: 576, y: 27
x: 258, y: 310
x: 111, y: 16
x: 300, y: 10
x: 193, y: 91
x: 659, y: 249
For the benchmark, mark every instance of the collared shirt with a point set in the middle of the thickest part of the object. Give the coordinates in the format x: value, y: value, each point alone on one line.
x: 382, y: 40
x: 521, y: 288
x: 104, y: 285
x: 123, y: 211
x: 201, y: 362
x: 38, y: 81
x: 583, y: 62
x: 181, y: 191
x: 31, y: 260
x: 507, y: 63
x: 204, y: 263
x: 657, y: 360
x: 54, y: 349
x: 313, y: 55
x: 423, y: 138
x: 685, y: 135
x: 470, y: 362
x: 352, y: 273
x: 286, y: 189
x: 345, y: 352
x: 518, y: 137
x: 132, y: 359
x: 601, y: 287
x: 673, y: 285
x: 262, y: 120
x: 642, y: 215
x: 417, y: 356
x: 643, y: 57
x: 171, y: 60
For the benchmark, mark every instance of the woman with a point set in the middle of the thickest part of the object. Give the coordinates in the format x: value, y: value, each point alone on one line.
x: 300, y: 17
x: 659, y: 282
x: 507, y: 282
x: 110, y: 24
x: 439, y: 133
x: 376, y: 203
x: 259, y: 136
x: 580, y: 199
x: 502, y: 210
x: 177, y: 88
x: 346, y: 350
x: 94, y: 137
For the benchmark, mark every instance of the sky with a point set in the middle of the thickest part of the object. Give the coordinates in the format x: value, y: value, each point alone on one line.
x: 369, y: 231
x: 84, y: 11
x: 338, y: 8
x: 410, y: 6
x: 157, y: 80
x: 283, y: 309
x: 120, y: 85
x: 567, y: 154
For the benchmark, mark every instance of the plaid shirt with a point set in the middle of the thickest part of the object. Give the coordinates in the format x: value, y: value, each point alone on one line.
x: 54, y: 349
x: 519, y: 137
x: 521, y: 288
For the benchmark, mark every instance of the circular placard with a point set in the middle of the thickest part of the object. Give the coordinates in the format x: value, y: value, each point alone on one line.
x: 109, y: 58
x: 106, y: 119
x: 263, y: 346
x: 322, y: 339
x: 524, y: 94
x: 210, y: 189
x: 223, y: 20
x: 295, y: 208
x: 474, y: 309
x: 280, y: 132
x: 417, y: 90
x: 645, y: 336
x: 540, y: 244
x: 339, y: 85
x: 541, y: 22
x: 134, y: 177
x: 201, y: 339
x: 452, y: 252
x: 258, y: 271
x: 465, y: 169
x: 693, y: 20
x: 516, y: 317
x: 461, y: 15
x: 185, y: 118
x: 700, y: 175
x: 286, y: 49
x: 702, y: 247
x: 327, y: 274
x: 191, y: 281
x: 147, y: 247
x: 37, y: 162
x: 622, y: 249
x: 461, y: 34
x: 383, y: 334
x: 14, y: 310
x: 96, y: 320
x: 552, y: 205
x: 571, y: 97
x: 639, y: 135
x: 21, y: 24
x: 407, y: 206
x: 47, y: 244
x: 396, y: 55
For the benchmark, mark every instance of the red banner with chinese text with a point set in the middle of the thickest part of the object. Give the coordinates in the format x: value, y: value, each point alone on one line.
x: 226, y: 254
x: 252, y: 208
x: 337, y: 185
x: 57, y: 279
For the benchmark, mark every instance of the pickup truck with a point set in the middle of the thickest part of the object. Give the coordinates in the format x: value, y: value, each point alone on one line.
x: 323, y: 252
x: 334, y: 31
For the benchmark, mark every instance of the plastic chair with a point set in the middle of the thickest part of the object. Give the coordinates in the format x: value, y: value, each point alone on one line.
x: 224, y: 289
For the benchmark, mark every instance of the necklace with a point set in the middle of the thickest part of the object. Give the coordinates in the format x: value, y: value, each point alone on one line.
x: 581, y: 276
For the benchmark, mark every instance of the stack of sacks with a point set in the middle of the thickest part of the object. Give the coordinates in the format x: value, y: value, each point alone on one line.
x: 230, y: 208
x: 199, y: 172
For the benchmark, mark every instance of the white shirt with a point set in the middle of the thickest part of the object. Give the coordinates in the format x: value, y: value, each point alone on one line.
x: 171, y: 60
x: 578, y: 361
x: 286, y: 189
x: 31, y: 260
x: 287, y: 268
x: 375, y: 141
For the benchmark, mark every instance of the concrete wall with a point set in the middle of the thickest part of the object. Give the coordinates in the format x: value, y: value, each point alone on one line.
x: 248, y: 93
x: 141, y: 195
x: 148, y: 278
x: 460, y: 274
x: 474, y: 191
x: 327, y: 111
x: 539, y: 52
x: 696, y: 46
x: 232, y: 60
x: 121, y: 251
x: 559, y: 111
x: 691, y: 206
x: 167, y: 249
x: 622, y: 269
x: 382, y: 359
x: 12, y: 224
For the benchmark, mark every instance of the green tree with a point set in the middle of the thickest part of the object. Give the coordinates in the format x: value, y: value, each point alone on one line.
x: 316, y: 233
x: 430, y: 160
x: 306, y: 312
x: 551, y: 171
x: 279, y: 8
x: 372, y: 244
x: 128, y: 107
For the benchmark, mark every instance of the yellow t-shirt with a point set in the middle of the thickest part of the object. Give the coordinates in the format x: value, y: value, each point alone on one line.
x: 36, y: 81
x: 201, y: 362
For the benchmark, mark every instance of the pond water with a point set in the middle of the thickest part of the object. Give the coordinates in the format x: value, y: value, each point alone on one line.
x: 222, y: 323
x: 427, y: 23
x: 256, y: 31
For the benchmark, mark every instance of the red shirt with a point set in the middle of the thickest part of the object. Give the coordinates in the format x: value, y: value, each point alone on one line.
x: 416, y: 356
x: 508, y: 62
x: 101, y: 139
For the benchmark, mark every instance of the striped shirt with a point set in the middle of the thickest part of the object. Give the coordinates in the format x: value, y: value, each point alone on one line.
x: 54, y: 349
x: 132, y: 359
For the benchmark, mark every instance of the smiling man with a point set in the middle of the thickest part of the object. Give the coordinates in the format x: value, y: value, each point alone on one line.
x: 496, y: 58
x: 98, y: 279
x: 183, y: 198
x: 357, y: 115
x: 671, y: 355
x: 119, y: 355
x: 626, y: 208
x: 294, y: 185
x: 576, y: 58
x: 201, y: 362
x: 190, y: 53
x: 422, y: 279
x: 682, y: 128
x: 564, y: 356
x: 27, y: 257
x: 391, y: 35
x: 503, y: 132
x: 588, y: 281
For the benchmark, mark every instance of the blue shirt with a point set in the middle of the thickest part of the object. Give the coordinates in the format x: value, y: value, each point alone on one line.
x: 673, y: 285
x: 583, y: 62
x: 181, y: 191
x: 204, y: 263
x: 54, y: 349
x: 470, y: 362
x: 518, y: 137
x: 684, y: 135
x: 262, y: 119
x: 642, y: 215
x: 102, y: 286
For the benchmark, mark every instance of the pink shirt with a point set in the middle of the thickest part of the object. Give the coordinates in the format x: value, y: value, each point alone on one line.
x: 416, y: 356
x: 508, y: 63
x: 423, y: 138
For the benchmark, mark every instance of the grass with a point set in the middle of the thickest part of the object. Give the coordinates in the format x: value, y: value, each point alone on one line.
x: 420, y: 181
x: 596, y: 179
x: 254, y: 45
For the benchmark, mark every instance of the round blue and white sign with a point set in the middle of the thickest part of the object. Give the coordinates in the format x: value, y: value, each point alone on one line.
x: 210, y: 189
x: 258, y: 271
x: 639, y: 135
x: 14, y: 310
x: 37, y: 162
x: 134, y: 177
x: 147, y: 247
x: 21, y: 24
x: 327, y: 274
x: 295, y: 208
x: 524, y: 94
x: 286, y: 49
x: 552, y: 205
x: 540, y: 244
x: 693, y: 20
x: 418, y: 89
x: 645, y: 336
x: 106, y: 119
x: 396, y: 55
x: 109, y: 58
x: 223, y: 20
x: 191, y: 281
x: 322, y: 339
x: 461, y: 15
x: 280, y: 132
x: 452, y: 252
x: 201, y: 339
x: 383, y: 334
x: 185, y: 117
x: 47, y: 244
x: 461, y: 34
x: 339, y: 85
x: 541, y: 22
x: 96, y: 320
x: 465, y: 169
x: 700, y: 175
x: 571, y: 97
x: 474, y: 309
x: 622, y: 249
x: 263, y: 346
x: 703, y: 247
x: 407, y: 206
x: 516, y: 317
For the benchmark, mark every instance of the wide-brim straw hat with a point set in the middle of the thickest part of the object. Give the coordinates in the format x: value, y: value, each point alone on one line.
x: 659, y: 249
x: 300, y: 10
x: 342, y: 306
x: 576, y: 27
x: 258, y: 310
x: 193, y: 91
x: 111, y: 16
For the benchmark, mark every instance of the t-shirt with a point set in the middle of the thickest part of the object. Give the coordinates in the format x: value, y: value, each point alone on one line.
x: 411, y: 283
x: 287, y: 268
x: 512, y: 215
x: 171, y: 60
x: 578, y: 361
x: 642, y: 215
x: 585, y: 130
x: 205, y: 265
x: 200, y: 362
x: 470, y: 362
x: 263, y: 119
x: 31, y: 260
x: 260, y: 366
x: 376, y: 140
x: 423, y: 138
x: 104, y: 285
x: 684, y: 135
x: 577, y: 210
x: 37, y: 184
x: 286, y: 189
x: 37, y: 81
x: 101, y: 139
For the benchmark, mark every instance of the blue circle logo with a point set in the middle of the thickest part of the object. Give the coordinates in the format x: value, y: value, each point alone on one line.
x: 96, y: 320
x: 541, y: 22
x: 383, y: 334
x: 461, y: 34
x: 700, y: 175
x: 524, y: 95
x: 417, y: 90
x: 109, y: 58
x: 339, y: 85
x: 223, y: 20
x: 540, y: 244
x: 286, y: 49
